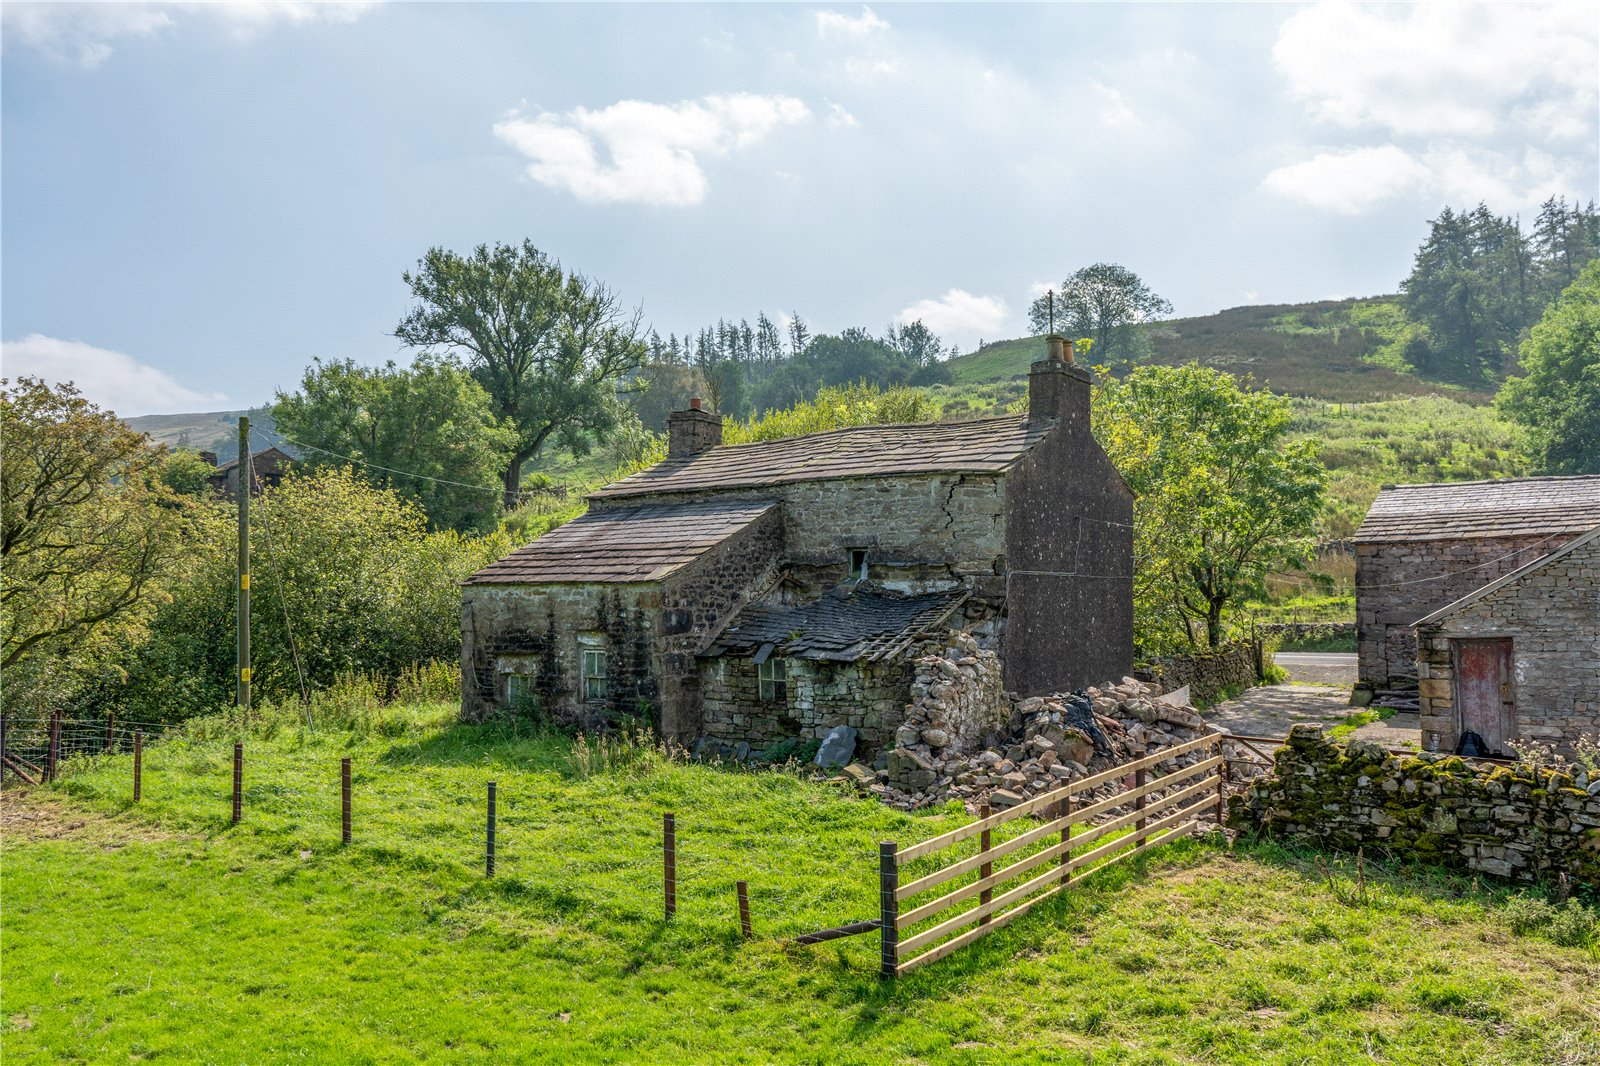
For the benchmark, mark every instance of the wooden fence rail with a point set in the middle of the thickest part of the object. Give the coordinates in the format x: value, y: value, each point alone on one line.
x: 1156, y: 819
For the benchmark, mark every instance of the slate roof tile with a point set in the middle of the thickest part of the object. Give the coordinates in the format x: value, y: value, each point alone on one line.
x: 984, y: 445
x: 624, y: 544
x: 1529, y: 506
x: 849, y: 623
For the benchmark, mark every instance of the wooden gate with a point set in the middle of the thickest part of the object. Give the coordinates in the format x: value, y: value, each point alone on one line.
x: 1483, y: 690
x: 1161, y: 808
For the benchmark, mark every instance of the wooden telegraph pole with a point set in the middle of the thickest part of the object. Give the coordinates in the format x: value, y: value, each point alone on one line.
x: 242, y: 696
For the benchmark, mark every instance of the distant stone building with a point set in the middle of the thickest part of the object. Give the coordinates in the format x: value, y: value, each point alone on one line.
x: 755, y: 592
x: 1423, y: 547
x: 269, y: 464
x: 1519, y: 658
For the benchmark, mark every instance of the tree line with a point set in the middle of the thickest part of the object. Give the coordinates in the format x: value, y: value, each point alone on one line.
x: 1479, y: 283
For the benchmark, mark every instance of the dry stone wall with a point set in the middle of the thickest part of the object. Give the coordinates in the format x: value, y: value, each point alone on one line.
x: 1508, y: 821
x: 1207, y: 675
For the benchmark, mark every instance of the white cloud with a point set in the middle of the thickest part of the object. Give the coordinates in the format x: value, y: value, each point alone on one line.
x: 835, y: 24
x: 1112, y: 109
x: 959, y: 316
x: 839, y: 117
x: 653, y: 150
x: 1446, y: 68
x: 1351, y: 181
x: 111, y: 379
x: 83, y: 33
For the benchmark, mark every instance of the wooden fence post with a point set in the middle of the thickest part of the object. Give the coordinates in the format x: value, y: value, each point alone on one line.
x: 1138, y: 804
x: 238, y: 781
x: 984, y: 840
x: 889, y: 909
x: 669, y: 864
x: 1222, y: 785
x: 344, y: 799
x: 111, y: 732
x: 488, y: 856
x: 1068, y: 804
x: 138, y: 764
x: 744, y: 907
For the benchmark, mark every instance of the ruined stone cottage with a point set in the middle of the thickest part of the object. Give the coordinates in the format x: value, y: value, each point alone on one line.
x: 756, y: 592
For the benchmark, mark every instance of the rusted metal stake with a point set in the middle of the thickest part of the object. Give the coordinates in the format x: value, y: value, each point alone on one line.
x: 138, y: 764
x: 488, y: 861
x: 344, y: 799
x: 889, y: 910
x: 238, y: 781
x: 669, y: 860
x: 984, y: 840
x: 744, y: 907
x: 1138, y: 804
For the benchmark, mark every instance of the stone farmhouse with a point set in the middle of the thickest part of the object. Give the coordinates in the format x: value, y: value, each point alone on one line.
x: 1452, y: 597
x: 752, y: 593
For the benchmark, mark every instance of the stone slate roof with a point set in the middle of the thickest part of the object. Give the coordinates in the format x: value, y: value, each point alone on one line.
x: 849, y: 623
x: 1513, y: 507
x: 1516, y: 575
x: 985, y: 445
x: 623, y: 544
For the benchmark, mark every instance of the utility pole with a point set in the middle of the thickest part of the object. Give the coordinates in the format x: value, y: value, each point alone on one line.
x: 242, y: 697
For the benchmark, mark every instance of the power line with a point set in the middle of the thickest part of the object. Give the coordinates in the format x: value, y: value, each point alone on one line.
x: 386, y: 469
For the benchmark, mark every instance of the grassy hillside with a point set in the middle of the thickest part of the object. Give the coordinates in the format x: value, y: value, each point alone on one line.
x: 160, y: 932
x: 1341, y: 351
x: 216, y: 431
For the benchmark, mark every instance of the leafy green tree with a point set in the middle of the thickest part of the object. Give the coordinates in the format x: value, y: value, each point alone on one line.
x: 1104, y: 301
x: 1558, y: 397
x: 428, y: 432
x: 549, y: 347
x: 186, y: 472
x: 88, y: 531
x: 1223, y: 495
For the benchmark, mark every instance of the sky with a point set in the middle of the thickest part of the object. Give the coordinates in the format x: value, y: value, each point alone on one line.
x: 200, y: 199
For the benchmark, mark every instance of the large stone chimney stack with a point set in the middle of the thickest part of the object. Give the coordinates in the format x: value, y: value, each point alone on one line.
x: 1058, y: 387
x: 693, y: 431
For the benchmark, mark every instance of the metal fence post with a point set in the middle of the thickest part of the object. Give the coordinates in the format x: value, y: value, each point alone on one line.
x: 238, y: 781
x: 344, y: 799
x: 669, y: 861
x: 138, y: 764
x: 488, y: 862
x: 889, y: 909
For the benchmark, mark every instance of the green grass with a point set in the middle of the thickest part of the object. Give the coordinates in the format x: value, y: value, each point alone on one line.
x: 1357, y: 720
x: 162, y: 933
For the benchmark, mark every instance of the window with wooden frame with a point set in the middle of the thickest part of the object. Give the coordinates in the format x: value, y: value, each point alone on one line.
x: 594, y: 674
x: 858, y: 564
x: 773, y: 680
x: 519, y: 689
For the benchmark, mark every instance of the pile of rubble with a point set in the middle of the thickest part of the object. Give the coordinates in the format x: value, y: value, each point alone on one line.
x: 965, y: 739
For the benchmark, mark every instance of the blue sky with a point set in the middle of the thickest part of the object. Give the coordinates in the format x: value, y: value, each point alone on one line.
x: 200, y: 199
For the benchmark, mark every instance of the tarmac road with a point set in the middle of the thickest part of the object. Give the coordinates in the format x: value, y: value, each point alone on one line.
x: 1319, y: 667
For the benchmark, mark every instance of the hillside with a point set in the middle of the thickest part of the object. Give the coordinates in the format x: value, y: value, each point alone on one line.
x: 216, y: 431
x: 1333, y: 350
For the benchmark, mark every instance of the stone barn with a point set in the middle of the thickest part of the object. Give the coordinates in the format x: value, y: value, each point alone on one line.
x: 1519, y: 658
x: 1423, y: 547
x: 750, y: 593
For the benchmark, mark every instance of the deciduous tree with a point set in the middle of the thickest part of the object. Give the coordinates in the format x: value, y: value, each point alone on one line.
x: 1105, y: 302
x: 1558, y: 397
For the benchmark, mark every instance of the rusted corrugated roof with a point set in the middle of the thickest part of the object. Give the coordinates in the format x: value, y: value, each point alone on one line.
x: 1512, y: 507
x: 986, y: 445
x: 623, y: 544
x: 849, y: 623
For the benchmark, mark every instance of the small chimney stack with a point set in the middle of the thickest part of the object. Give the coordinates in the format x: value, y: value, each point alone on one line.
x: 1057, y: 386
x: 693, y: 431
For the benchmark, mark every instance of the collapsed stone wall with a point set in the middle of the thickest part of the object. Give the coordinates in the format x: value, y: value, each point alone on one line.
x: 965, y: 739
x: 868, y: 697
x: 1508, y: 821
x: 1207, y: 674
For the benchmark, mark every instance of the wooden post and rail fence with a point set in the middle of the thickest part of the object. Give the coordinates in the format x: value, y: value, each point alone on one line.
x: 905, y: 947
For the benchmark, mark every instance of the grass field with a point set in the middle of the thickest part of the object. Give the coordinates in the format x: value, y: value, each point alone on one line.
x: 161, y: 933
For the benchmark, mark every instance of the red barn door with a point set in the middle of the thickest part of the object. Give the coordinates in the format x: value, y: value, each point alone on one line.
x: 1483, y: 690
